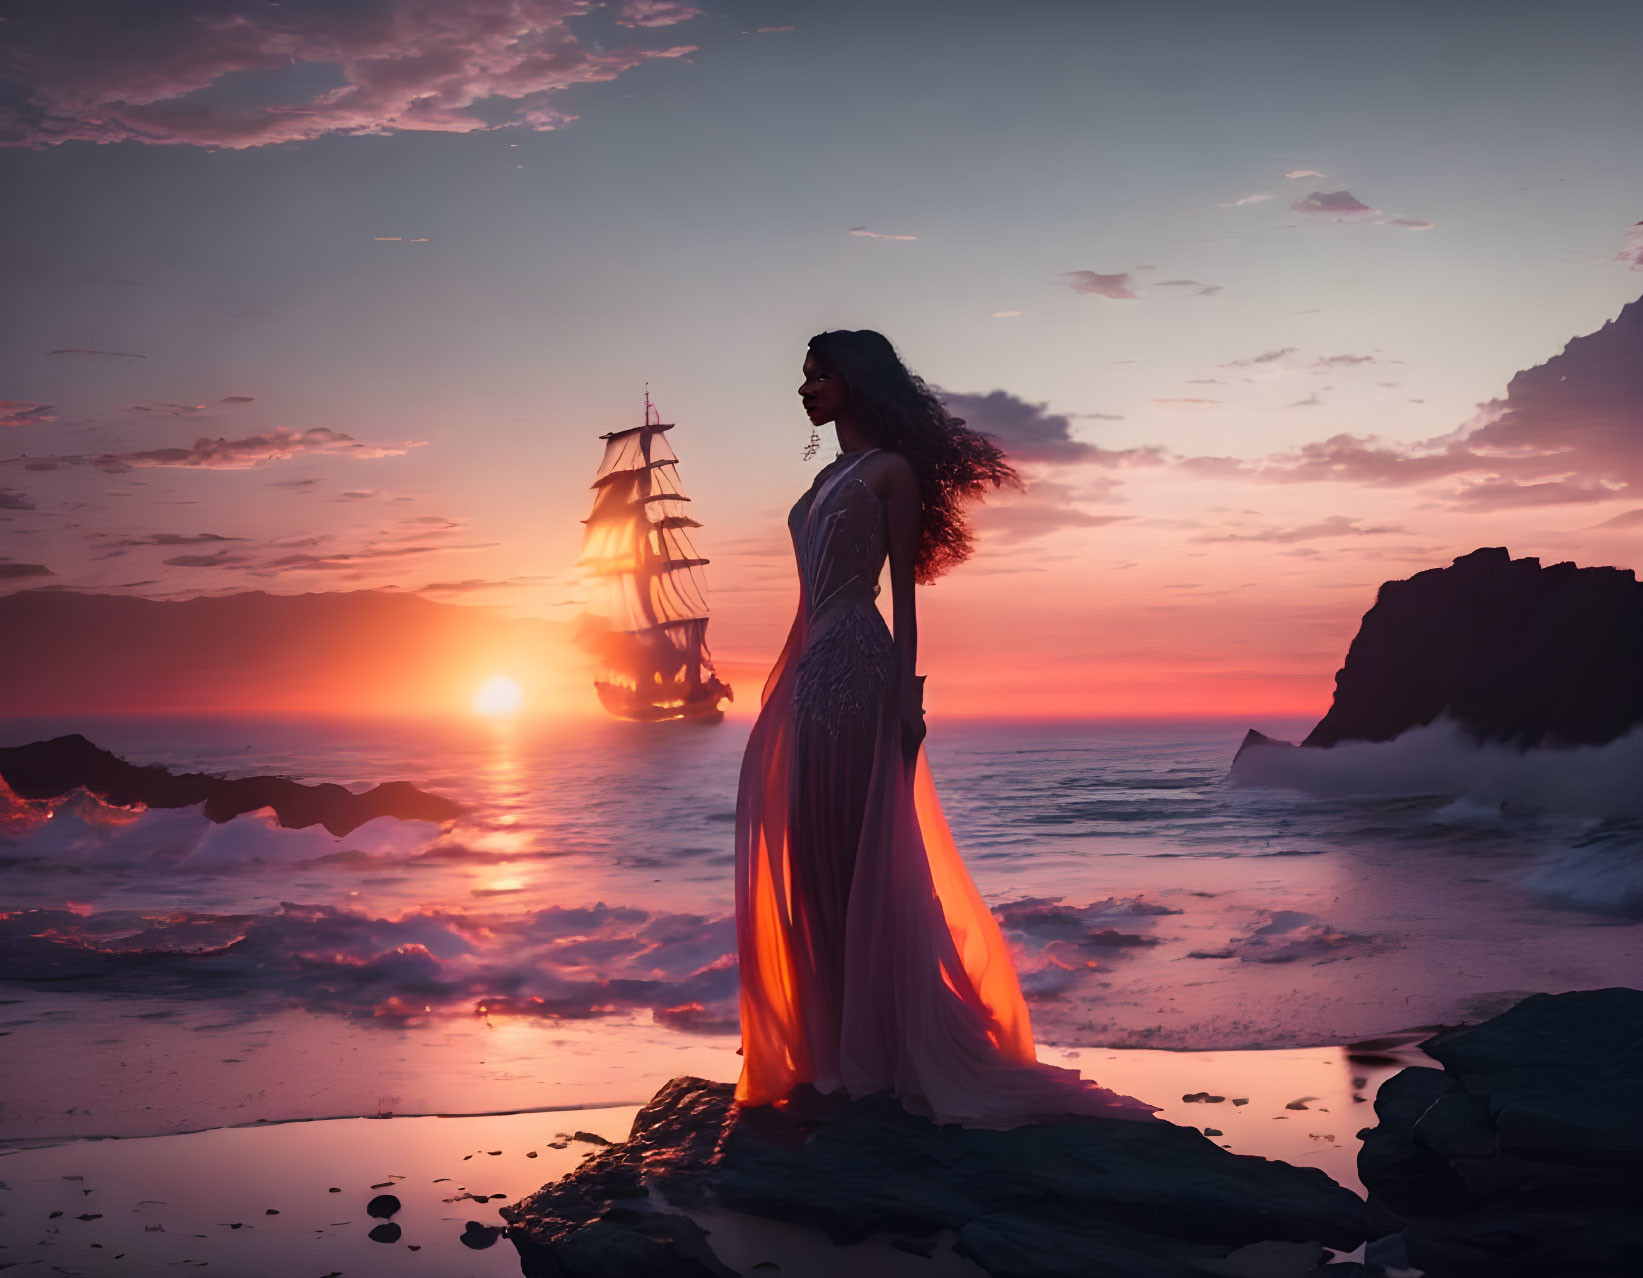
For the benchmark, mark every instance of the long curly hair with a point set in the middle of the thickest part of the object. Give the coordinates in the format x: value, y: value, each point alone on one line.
x: 954, y: 463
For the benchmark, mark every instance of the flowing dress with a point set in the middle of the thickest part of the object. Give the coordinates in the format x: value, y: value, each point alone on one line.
x: 869, y: 962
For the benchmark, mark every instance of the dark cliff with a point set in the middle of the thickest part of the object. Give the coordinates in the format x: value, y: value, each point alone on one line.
x: 1512, y: 651
x: 52, y: 769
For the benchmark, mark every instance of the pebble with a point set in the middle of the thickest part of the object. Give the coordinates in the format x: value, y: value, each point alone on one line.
x: 382, y: 1206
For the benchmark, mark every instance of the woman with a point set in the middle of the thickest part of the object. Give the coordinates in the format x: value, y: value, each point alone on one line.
x: 869, y: 962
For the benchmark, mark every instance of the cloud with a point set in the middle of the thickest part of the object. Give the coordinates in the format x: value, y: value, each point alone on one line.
x: 863, y: 233
x: 1332, y: 526
x: 175, y: 539
x: 1169, y: 403
x: 257, y: 450
x: 176, y: 410
x: 435, y: 523
x: 1031, y: 433
x: 1413, y: 223
x: 16, y: 572
x: 1005, y: 314
x: 1496, y: 493
x: 655, y: 13
x: 1627, y: 519
x: 1343, y: 361
x: 473, y: 584
x: 14, y: 499
x: 1568, y: 431
x: 22, y: 412
x: 1311, y: 401
x: 1303, y: 173
x: 1265, y: 357
x: 1116, y: 287
x: 82, y: 350
x: 238, y: 399
x: 1205, y: 290
x: 1336, y: 206
x: 1239, y: 203
x: 244, y: 73
x: 1631, y: 252
x: 343, y: 560
x: 1022, y: 522
x: 216, y: 559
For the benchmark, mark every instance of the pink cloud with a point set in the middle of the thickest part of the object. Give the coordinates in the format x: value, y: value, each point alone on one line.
x: 1116, y: 287
x: 95, y: 72
x: 1632, y: 252
x: 1332, y: 526
x: 240, y: 454
x: 1015, y: 523
x: 22, y: 412
x: 1303, y: 173
x: 655, y: 13
x: 1568, y: 431
x: 863, y: 233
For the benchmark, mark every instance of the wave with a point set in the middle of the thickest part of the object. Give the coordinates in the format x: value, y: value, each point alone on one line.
x: 1602, y: 871
x: 1442, y: 759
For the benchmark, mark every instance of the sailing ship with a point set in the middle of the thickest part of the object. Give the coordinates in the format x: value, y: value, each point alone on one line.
x: 652, y: 639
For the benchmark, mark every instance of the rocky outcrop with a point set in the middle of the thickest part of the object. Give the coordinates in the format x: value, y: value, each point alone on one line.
x: 52, y: 769
x: 1076, y: 1197
x: 1512, y: 651
x: 1523, y: 1155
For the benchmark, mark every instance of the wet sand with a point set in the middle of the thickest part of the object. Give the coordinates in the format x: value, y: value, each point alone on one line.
x: 204, y: 1198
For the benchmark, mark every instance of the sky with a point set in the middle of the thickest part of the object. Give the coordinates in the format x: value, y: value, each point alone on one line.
x: 311, y: 296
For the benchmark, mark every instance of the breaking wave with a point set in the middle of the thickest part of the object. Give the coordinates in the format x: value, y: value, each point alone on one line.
x: 1443, y: 759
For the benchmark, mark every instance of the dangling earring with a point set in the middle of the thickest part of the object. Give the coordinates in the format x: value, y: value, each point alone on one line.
x: 814, y: 445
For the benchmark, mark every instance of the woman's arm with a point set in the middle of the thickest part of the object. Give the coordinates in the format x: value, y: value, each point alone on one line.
x: 903, y: 522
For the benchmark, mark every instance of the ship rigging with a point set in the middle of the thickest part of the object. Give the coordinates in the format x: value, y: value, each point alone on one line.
x: 652, y: 638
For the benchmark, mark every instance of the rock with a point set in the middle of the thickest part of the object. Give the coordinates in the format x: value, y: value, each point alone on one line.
x: 1074, y: 1196
x: 1512, y: 651
x: 1523, y: 1155
x: 382, y: 1206
x: 477, y: 1237
x: 1254, y: 740
x: 385, y: 1233
x: 51, y: 769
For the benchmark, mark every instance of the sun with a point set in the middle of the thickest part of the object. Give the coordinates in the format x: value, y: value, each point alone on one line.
x: 498, y: 696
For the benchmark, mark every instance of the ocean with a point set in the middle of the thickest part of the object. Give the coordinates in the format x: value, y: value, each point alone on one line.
x: 569, y: 942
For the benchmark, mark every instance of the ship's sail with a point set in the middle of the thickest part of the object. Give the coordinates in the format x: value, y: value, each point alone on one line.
x: 652, y: 637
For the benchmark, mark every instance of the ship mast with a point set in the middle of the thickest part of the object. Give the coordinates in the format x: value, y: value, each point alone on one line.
x: 636, y: 545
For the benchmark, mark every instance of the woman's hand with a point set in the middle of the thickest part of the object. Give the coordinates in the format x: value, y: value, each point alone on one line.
x: 910, y: 711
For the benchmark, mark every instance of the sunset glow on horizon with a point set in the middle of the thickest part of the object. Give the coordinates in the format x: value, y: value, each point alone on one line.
x: 1258, y: 333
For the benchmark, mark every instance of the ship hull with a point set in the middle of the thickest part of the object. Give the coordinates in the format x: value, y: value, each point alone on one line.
x: 623, y: 704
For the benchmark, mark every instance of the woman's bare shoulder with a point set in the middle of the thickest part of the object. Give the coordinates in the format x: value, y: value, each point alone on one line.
x: 888, y: 472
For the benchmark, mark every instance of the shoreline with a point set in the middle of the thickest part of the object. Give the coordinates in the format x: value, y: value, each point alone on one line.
x: 206, y: 1190
x: 1115, y: 1062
